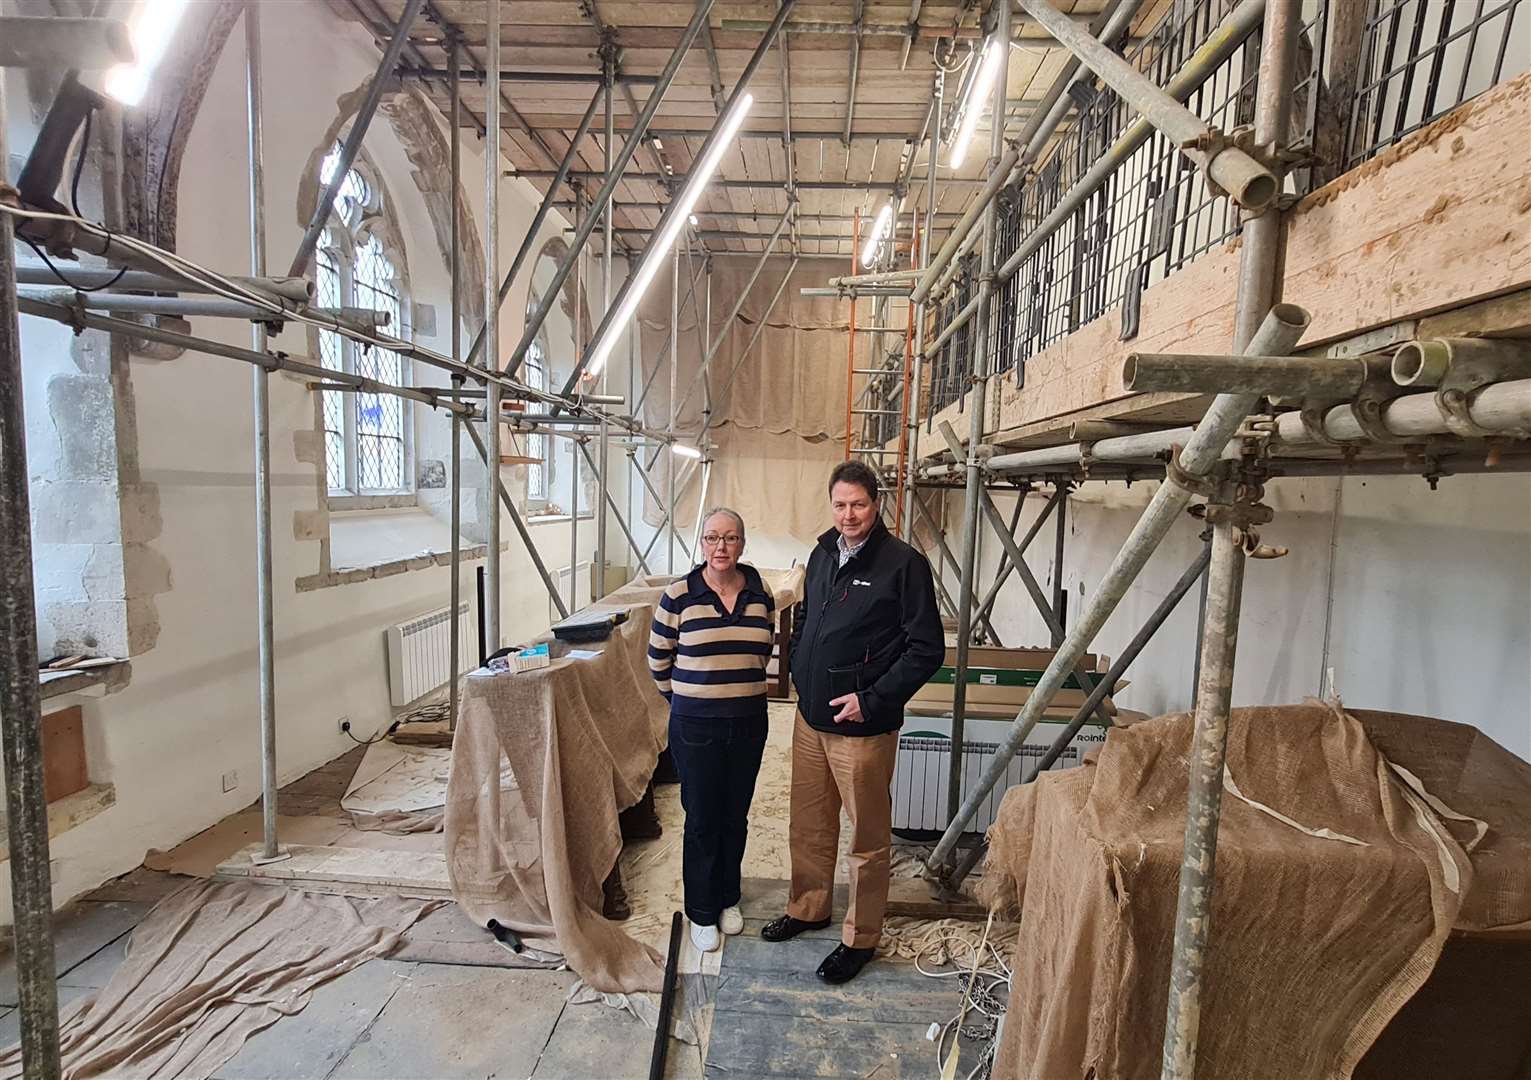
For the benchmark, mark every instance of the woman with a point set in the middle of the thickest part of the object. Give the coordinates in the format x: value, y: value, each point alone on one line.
x: 708, y: 648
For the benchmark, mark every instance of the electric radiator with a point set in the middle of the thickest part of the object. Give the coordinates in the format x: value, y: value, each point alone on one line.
x: 922, y: 773
x: 419, y: 653
x: 584, y: 588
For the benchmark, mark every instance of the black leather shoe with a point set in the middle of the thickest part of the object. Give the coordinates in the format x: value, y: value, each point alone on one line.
x: 844, y: 964
x: 786, y: 928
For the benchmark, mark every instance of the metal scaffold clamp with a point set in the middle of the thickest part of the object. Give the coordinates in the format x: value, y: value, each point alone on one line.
x: 1236, y: 502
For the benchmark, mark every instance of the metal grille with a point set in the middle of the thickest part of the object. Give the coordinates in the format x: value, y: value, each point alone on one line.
x: 1418, y: 59
x: 1422, y: 58
x: 1154, y: 213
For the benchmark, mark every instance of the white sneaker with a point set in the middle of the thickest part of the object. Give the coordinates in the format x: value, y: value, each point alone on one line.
x: 732, y: 921
x: 706, y: 938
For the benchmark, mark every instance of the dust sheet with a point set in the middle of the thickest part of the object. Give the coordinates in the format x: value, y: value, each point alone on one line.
x: 210, y: 966
x: 578, y: 741
x: 1337, y: 886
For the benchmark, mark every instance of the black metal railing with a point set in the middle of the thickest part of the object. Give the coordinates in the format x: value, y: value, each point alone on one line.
x: 1422, y: 58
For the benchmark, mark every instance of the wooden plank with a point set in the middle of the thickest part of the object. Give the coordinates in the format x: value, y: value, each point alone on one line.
x: 916, y: 897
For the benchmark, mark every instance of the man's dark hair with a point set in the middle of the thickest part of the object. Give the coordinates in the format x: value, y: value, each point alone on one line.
x: 854, y: 472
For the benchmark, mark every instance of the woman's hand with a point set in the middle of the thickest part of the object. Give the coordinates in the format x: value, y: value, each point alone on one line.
x: 851, y: 711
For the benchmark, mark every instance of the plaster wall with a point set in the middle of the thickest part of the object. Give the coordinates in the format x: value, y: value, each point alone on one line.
x: 189, y: 716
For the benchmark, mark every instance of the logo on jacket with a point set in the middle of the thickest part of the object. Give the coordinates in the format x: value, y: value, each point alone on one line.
x: 858, y: 581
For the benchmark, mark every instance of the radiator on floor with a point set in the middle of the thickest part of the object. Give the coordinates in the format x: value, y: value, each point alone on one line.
x: 922, y: 774
x: 420, y: 654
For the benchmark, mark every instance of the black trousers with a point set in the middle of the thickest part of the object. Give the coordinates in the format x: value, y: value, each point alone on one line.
x: 718, y: 761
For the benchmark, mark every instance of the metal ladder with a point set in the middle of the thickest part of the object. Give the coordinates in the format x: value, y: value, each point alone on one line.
x: 877, y: 397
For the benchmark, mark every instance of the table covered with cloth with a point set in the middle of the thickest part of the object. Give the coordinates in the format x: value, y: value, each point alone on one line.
x: 1353, y: 845
x: 576, y: 743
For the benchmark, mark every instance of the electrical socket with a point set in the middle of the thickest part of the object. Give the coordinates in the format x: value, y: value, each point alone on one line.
x: 231, y: 780
x: 344, y: 724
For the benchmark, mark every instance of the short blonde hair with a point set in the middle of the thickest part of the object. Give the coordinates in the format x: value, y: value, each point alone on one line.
x: 726, y: 512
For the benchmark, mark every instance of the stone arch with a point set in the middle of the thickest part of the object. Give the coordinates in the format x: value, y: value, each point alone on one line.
x: 415, y: 123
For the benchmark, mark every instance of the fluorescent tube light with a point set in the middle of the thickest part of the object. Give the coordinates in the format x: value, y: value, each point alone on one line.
x: 682, y: 450
x: 680, y: 213
x: 977, y: 99
x: 692, y: 219
x: 880, y: 230
x: 151, y: 28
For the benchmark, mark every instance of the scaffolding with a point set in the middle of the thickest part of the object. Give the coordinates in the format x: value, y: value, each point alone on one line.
x: 479, y: 391
x: 1137, y: 186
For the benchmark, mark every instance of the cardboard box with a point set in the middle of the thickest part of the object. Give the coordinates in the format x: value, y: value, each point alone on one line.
x: 999, y: 681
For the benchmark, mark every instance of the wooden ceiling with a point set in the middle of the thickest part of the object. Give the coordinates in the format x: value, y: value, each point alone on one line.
x: 883, y: 109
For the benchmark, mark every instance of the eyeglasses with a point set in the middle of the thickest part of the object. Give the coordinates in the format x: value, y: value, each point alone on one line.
x: 712, y: 540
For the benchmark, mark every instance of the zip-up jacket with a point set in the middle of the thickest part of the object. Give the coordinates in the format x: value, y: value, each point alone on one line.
x: 872, y: 624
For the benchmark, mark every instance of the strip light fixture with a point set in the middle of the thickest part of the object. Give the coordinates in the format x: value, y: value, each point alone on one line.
x: 680, y: 214
x: 978, y: 97
x: 151, y: 28
x: 682, y: 450
x: 880, y: 229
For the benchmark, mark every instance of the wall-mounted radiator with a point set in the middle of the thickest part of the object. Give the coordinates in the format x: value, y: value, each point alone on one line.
x: 419, y: 653
x: 584, y: 588
x: 924, y: 759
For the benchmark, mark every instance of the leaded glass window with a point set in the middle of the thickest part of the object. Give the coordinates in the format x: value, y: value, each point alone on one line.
x: 365, y: 435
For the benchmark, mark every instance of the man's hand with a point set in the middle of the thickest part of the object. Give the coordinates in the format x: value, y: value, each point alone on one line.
x: 850, y: 711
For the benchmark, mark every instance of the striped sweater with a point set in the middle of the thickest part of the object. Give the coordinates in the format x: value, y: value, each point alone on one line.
x: 709, y: 663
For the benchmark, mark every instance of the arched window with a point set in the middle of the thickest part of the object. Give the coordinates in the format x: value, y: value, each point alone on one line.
x: 366, y: 436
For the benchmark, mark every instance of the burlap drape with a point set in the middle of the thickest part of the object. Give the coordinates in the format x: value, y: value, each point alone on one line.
x: 778, y: 412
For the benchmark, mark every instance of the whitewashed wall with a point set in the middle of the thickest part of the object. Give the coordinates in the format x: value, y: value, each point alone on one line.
x: 190, y: 713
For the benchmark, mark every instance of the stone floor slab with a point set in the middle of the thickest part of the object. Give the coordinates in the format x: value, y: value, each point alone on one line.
x: 309, y: 1044
x: 450, y: 1022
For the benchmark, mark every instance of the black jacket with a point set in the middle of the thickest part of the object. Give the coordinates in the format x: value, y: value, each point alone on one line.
x: 873, y: 622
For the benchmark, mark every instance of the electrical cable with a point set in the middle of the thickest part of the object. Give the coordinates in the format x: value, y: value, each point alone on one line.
x: 56, y: 272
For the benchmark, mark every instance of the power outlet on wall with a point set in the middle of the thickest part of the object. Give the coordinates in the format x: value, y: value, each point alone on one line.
x: 344, y: 724
x: 231, y: 780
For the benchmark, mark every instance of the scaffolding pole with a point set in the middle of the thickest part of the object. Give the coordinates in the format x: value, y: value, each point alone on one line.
x: 608, y: 81
x: 490, y: 616
x: 265, y: 616
x: 20, y: 694
x: 613, y: 176
x: 1258, y: 287
x: 454, y: 631
x: 641, y: 123
x: 980, y: 368
x: 1278, y: 334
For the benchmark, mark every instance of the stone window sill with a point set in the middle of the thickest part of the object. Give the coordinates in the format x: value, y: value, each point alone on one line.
x: 64, y: 814
x: 95, y: 682
x: 424, y: 560
x: 345, y: 503
x: 557, y: 519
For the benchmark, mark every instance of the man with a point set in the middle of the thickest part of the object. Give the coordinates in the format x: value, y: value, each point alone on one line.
x: 870, y: 637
